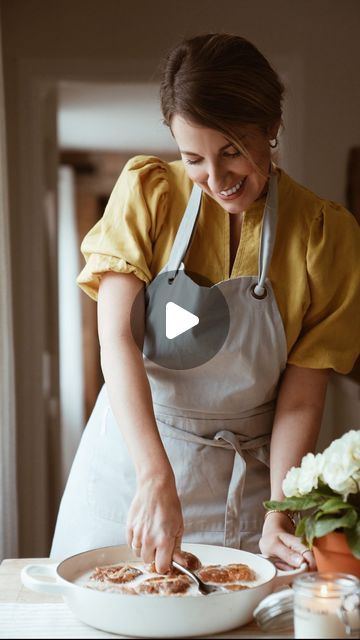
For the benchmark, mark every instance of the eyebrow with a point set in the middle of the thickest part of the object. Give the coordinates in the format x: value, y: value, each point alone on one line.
x: 191, y: 153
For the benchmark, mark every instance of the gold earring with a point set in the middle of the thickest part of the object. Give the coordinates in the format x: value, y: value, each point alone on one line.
x: 273, y: 143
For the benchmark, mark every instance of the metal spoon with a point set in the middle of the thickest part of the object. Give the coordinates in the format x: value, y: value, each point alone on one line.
x: 203, y: 587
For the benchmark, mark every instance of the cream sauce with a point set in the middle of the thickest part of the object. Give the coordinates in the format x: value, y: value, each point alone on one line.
x: 109, y: 587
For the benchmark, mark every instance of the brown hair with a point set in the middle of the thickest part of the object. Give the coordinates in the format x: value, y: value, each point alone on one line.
x: 220, y: 81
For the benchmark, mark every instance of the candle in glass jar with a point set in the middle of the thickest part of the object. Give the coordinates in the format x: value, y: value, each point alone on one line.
x: 318, y: 598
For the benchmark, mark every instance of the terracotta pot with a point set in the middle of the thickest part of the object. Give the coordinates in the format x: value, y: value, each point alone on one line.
x: 332, y: 553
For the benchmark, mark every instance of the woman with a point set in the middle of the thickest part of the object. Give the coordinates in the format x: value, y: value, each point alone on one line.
x: 190, y: 451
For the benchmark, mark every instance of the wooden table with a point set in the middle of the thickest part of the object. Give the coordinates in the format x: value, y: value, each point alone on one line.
x: 26, y: 614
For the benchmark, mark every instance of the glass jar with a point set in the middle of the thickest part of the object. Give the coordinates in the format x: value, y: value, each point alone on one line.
x: 326, y: 605
x: 275, y: 611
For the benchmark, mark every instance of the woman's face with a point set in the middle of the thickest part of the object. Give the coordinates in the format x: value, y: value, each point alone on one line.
x: 223, y: 172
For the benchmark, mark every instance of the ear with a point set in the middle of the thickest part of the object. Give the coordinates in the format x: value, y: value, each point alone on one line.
x: 273, y: 130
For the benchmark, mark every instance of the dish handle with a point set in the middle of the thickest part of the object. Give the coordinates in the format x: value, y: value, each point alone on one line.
x: 29, y: 577
x: 283, y: 578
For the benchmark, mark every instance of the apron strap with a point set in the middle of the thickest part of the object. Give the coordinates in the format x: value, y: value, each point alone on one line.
x: 268, y: 234
x: 231, y: 441
x: 185, y: 231
x: 237, y: 482
x: 235, y: 491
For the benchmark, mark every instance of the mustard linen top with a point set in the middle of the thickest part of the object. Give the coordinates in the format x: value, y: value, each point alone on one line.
x: 314, y: 269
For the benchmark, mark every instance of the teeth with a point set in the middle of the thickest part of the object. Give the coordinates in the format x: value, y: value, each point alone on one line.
x: 234, y: 189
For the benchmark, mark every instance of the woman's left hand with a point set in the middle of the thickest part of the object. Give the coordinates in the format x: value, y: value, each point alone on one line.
x: 279, y: 543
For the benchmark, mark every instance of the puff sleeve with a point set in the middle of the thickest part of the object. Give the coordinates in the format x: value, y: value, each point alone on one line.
x: 330, y: 335
x: 122, y: 239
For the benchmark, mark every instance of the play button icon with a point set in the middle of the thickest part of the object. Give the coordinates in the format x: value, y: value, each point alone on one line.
x: 186, y: 320
x: 178, y: 320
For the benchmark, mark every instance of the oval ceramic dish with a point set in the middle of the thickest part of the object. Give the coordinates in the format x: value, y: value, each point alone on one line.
x: 155, y: 616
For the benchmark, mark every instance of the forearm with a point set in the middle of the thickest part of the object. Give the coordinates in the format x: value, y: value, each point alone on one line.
x: 130, y: 398
x: 297, y: 422
x: 125, y: 376
x: 296, y: 428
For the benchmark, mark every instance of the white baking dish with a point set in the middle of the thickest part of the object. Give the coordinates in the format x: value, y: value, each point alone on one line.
x: 155, y: 616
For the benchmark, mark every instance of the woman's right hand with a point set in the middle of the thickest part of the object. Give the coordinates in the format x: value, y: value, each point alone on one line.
x: 155, y: 523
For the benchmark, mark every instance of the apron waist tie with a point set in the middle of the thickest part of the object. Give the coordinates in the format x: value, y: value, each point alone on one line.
x: 258, y: 447
x: 255, y: 447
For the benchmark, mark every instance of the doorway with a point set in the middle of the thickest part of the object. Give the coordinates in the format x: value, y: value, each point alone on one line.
x: 99, y: 128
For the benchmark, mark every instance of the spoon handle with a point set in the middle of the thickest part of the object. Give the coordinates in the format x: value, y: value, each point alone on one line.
x: 203, y: 588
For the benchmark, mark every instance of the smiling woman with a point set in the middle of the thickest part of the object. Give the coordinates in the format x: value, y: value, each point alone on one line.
x: 191, y: 452
x: 220, y: 96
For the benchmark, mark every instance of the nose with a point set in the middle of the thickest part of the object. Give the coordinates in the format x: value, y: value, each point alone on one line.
x: 216, y: 177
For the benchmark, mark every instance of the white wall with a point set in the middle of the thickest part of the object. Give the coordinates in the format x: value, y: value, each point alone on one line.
x: 320, y: 38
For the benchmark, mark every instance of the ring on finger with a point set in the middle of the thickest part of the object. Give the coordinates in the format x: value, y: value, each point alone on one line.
x: 134, y: 547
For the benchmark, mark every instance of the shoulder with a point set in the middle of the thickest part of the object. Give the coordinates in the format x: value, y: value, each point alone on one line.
x: 151, y: 192
x: 155, y: 187
x: 303, y: 207
x: 152, y: 169
x: 143, y: 164
x: 298, y: 197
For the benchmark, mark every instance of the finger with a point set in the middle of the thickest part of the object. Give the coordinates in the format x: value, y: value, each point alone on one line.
x: 163, y: 556
x: 179, y: 557
x: 136, y: 550
x: 129, y: 536
x: 279, y: 563
x: 291, y: 541
x: 178, y: 554
x: 283, y: 566
x: 299, y: 549
x: 177, y: 544
x: 285, y: 553
x: 148, y: 553
x: 308, y: 557
x: 136, y: 545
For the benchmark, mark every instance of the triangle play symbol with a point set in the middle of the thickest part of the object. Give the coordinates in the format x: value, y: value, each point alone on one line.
x: 178, y: 320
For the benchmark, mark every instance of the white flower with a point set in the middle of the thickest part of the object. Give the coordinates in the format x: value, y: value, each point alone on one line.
x: 348, y: 445
x: 351, y: 441
x: 291, y: 482
x: 338, y: 467
x: 302, y: 480
x: 309, y: 473
x: 341, y: 470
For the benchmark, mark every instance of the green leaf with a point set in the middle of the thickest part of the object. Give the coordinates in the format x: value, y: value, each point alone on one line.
x: 300, y: 528
x: 353, y: 538
x: 309, y: 530
x: 325, y: 489
x: 333, y: 505
x: 325, y: 525
x: 295, y: 503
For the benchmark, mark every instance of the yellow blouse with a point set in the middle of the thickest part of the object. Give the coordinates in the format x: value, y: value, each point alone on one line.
x: 314, y: 269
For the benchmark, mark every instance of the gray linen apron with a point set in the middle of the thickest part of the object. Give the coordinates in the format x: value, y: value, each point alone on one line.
x: 215, y: 421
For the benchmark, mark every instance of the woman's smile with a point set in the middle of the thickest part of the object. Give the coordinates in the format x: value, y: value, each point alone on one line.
x: 233, y: 192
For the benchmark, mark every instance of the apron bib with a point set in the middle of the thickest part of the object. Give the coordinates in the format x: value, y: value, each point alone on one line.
x: 215, y: 420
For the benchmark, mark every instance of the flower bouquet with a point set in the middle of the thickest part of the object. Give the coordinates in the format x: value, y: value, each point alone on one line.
x: 325, y: 489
